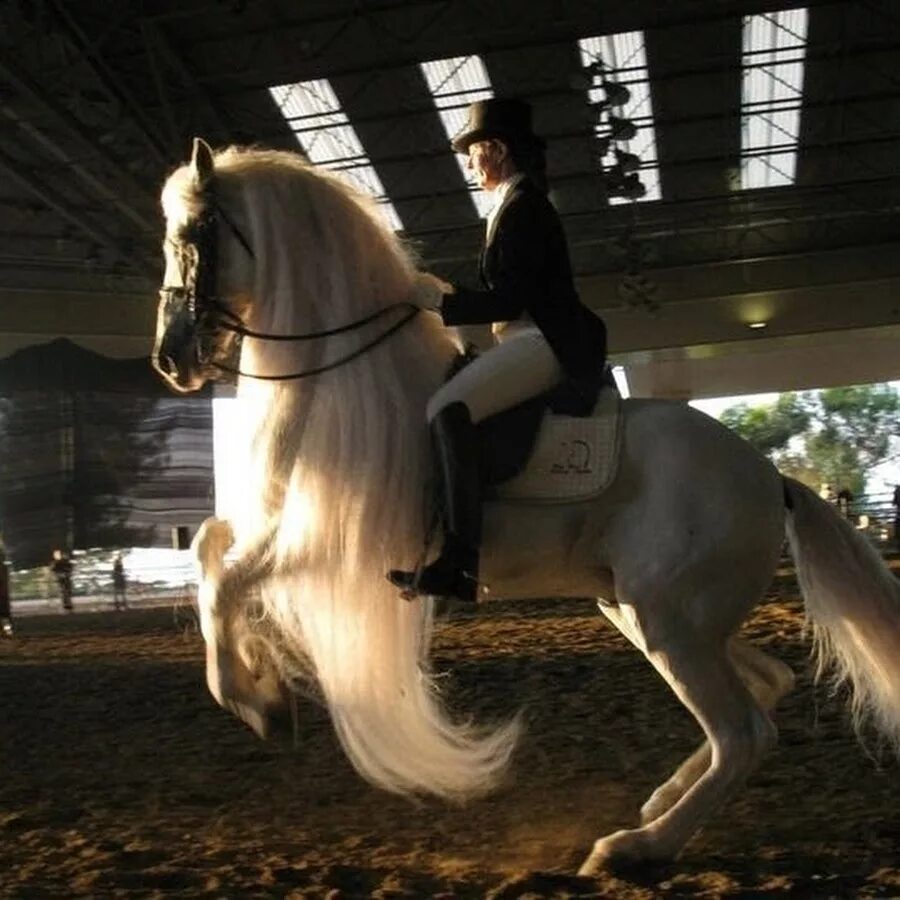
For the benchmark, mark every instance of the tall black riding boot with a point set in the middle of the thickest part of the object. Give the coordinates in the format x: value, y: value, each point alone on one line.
x: 455, y: 572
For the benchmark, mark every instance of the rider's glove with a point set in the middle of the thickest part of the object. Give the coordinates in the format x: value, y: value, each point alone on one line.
x: 428, y: 291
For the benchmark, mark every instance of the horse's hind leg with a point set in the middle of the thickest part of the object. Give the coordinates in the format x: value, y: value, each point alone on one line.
x: 767, y: 678
x: 738, y: 729
x: 670, y: 792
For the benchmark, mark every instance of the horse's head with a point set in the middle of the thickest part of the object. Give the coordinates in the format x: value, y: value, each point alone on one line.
x: 195, y: 337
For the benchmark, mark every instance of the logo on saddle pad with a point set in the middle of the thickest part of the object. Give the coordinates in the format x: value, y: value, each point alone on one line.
x: 573, y: 458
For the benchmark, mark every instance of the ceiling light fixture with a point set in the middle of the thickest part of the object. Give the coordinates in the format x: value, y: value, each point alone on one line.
x: 614, y: 68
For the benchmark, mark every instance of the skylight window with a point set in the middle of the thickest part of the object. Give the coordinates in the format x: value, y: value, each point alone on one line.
x: 772, y: 91
x: 624, y: 61
x: 323, y: 130
x: 454, y: 84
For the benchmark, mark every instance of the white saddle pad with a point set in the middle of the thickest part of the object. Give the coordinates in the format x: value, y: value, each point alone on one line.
x: 573, y: 458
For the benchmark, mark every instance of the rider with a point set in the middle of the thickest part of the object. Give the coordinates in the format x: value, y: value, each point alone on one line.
x: 543, y: 334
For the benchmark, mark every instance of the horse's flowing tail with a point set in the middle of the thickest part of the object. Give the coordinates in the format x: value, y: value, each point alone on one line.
x: 853, y: 602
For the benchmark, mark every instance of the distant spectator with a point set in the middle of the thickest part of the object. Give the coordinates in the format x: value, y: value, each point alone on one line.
x: 827, y: 493
x: 5, y: 609
x: 62, y: 570
x: 118, y: 579
x: 844, y: 499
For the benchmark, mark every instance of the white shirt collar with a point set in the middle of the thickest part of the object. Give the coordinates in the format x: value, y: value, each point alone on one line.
x: 505, y: 187
x: 501, y: 192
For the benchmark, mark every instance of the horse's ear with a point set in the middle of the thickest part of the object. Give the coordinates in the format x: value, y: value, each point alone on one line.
x: 202, y: 166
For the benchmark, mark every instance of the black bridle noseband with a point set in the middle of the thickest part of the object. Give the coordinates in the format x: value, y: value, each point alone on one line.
x: 200, y: 312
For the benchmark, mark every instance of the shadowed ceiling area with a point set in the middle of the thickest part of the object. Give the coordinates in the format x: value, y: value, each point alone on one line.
x: 766, y: 136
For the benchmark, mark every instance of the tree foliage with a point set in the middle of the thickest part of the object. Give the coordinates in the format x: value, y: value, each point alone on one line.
x: 769, y: 428
x: 835, y: 436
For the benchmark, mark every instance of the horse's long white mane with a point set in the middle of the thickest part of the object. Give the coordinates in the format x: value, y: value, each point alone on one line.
x: 339, y: 464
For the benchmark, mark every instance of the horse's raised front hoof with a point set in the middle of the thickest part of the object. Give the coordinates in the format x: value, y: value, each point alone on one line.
x: 267, y: 723
x: 257, y: 697
x: 619, y: 850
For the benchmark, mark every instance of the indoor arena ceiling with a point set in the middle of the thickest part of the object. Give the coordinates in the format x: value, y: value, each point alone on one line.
x: 768, y: 136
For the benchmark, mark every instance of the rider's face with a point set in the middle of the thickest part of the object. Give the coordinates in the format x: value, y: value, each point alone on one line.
x: 485, y: 162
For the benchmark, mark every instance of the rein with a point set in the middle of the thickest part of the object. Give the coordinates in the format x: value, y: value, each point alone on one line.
x: 239, y: 328
x: 199, y: 294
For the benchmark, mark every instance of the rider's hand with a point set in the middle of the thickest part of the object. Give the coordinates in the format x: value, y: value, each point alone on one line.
x: 428, y: 291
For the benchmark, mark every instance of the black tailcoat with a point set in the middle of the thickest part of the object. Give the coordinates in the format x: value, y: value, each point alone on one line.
x: 525, y: 268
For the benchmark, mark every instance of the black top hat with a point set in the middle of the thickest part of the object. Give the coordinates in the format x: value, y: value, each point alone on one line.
x: 509, y: 120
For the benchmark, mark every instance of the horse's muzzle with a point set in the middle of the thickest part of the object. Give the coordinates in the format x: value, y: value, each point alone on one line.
x: 175, y: 353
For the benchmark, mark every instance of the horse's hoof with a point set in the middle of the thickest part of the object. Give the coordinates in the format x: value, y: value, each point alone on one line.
x: 594, y: 865
x: 618, y: 850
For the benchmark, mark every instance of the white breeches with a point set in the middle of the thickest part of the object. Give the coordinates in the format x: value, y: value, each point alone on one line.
x: 518, y: 368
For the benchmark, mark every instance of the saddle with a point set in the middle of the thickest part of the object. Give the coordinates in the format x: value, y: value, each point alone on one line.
x: 561, y: 446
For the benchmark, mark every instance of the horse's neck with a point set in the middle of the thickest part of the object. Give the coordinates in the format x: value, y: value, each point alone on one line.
x: 354, y: 441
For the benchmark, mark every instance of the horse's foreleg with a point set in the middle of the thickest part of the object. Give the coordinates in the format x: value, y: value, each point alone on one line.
x: 669, y: 793
x: 767, y: 678
x: 212, y: 541
x: 738, y: 730
x: 222, y: 588
x: 240, y: 677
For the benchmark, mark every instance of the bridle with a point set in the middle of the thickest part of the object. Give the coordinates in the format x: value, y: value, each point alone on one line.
x: 200, y: 312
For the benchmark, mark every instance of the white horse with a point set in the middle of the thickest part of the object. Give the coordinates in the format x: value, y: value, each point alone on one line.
x: 677, y: 551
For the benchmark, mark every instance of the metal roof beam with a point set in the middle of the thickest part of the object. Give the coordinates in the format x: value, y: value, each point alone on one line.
x: 110, y: 195
x: 446, y: 28
x: 156, y: 41
x: 108, y: 79
x: 23, y: 178
x: 46, y: 107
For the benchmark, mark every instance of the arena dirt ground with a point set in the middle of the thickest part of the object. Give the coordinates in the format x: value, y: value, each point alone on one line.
x: 121, y: 778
